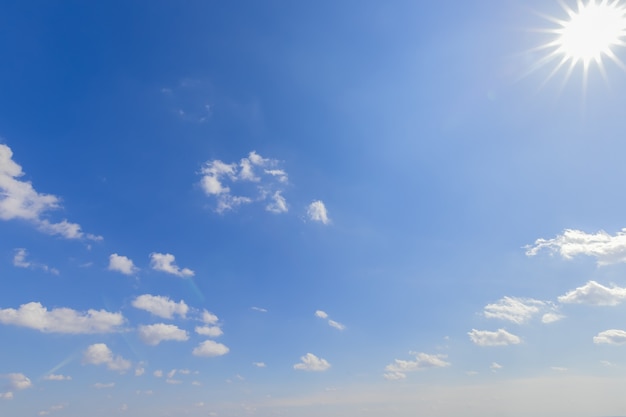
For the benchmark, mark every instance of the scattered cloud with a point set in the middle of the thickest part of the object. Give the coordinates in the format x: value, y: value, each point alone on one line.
x: 551, y: 318
x: 140, y: 370
x: 158, y: 373
x: 321, y: 314
x: 209, y: 331
x: 398, y: 369
x: 161, y: 306
x: 259, y: 309
x: 317, y: 212
x: 52, y: 409
x: 209, y: 348
x: 19, y: 261
x: 516, y: 310
x: 100, y: 354
x: 605, y: 248
x: 17, y: 381
x: 257, y: 179
x: 610, y: 337
x: 209, y: 318
x: 332, y: 323
x: 154, y: 334
x: 495, y: 366
x: 164, y: 262
x: 558, y: 369
x: 310, y: 362
x: 55, y: 377
x: 6, y: 395
x: 61, y: 320
x: 594, y: 294
x: 122, y: 264
x: 498, y: 338
x: 19, y: 200
x: 259, y: 364
x: 173, y: 381
x: 100, y: 385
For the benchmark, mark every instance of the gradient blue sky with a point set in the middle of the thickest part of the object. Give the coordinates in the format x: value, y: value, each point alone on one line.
x: 338, y: 208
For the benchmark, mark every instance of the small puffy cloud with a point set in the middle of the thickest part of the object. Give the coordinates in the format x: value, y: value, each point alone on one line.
x: 310, y: 362
x: 607, y: 249
x: 610, y: 337
x: 516, y: 310
x: 209, y: 331
x: 122, y: 264
x: 56, y: 377
x: 6, y: 395
x: 209, y: 348
x: 158, y: 373
x: 269, y: 181
x: 61, y: 320
x: 100, y: 385
x: 259, y: 364
x: 164, y: 262
x: 19, y: 260
x: 321, y: 314
x: 209, y: 318
x: 17, y: 381
x: 317, y: 212
x: 154, y: 334
x: 140, y: 370
x: 594, y: 294
x: 398, y: 369
x: 19, y: 200
x: 495, y: 366
x: 160, y: 306
x: 498, y: 338
x: 551, y: 318
x: 100, y: 354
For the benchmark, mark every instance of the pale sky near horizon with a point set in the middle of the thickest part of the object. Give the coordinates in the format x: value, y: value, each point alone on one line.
x: 331, y: 208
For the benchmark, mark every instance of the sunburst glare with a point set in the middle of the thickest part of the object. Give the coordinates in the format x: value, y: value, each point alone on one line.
x: 587, y: 34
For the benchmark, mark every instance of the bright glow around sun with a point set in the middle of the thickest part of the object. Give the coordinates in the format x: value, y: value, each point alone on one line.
x: 589, y: 33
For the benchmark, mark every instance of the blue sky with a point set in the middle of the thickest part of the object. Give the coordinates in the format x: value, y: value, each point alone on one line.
x: 277, y: 208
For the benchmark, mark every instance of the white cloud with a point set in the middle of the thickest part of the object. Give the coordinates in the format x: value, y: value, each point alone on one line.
x: 6, y: 395
x: 321, y: 314
x: 173, y: 381
x: 17, y: 381
x: 209, y: 348
x: 558, y: 369
x: 100, y: 354
x: 61, y: 320
x: 611, y: 337
x: 259, y: 309
x: 160, y: 306
x: 259, y: 364
x: 209, y: 331
x: 498, y: 338
x: 605, y: 248
x: 154, y: 334
x: 171, y: 373
x: 317, y: 212
x: 19, y: 260
x: 122, y: 264
x: 164, y: 262
x: 551, y: 318
x: 495, y: 366
x: 594, y: 294
x: 516, y: 310
x: 100, y: 385
x: 209, y: 318
x: 310, y: 362
x: 19, y: 200
x: 140, y: 370
x: 269, y: 182
x: 336, y: 325
x: 399, y: 368
x: 55, y: 377
x: 158, y: 373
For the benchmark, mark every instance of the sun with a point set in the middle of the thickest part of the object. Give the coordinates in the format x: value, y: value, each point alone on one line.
x: 588, y: 34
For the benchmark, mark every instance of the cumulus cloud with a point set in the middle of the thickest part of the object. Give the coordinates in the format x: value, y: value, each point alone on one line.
x: 610, y: 337
x: 15, y: 382
x: 607, y: 249
x: 398, y: 369
x: 19, y: 260
x: 209, y: 318
x: 61, y: 320
x: 594, y: 294
x: 164, y: 262
x: 516, y: 310
x: 57, y: 377
x: 317, y: 212
x: 498, y: 338
x: 209, y: 331
x: 19, y: 200
x: 256, y: 179
x: 154, y: 334
x: 310, y: 362
x: 100, y: 354
x: 122, y: 264
x: 551, y: 318
x: 209, y: 348
x: 160, y: 306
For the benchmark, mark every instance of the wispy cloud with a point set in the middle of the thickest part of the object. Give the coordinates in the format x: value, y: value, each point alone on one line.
x: 20, y: 261
x: 498, y: 338
x: 332, y: 323
x: 607, y: 249
x: 316, y: 211
x: 20, y: 200
x: 398, y: 369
